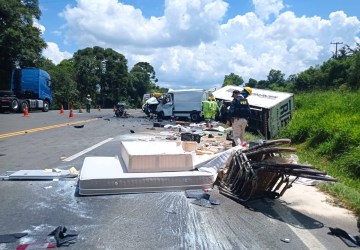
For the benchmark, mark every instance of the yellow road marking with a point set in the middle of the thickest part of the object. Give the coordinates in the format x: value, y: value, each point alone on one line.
x: 43, y: 128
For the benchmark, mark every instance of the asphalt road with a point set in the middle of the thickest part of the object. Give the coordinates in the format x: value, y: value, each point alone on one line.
x: 165, y: 220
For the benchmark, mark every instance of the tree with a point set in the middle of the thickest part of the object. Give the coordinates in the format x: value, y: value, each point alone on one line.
x: 252, y: 83
x: 103, y: 74
x: 262, y: 84
x: 20, y: 42
x: 354, y: 72
x: 334, y: 73
x: 64, y: 84
x: 233, y: 79
x: 276, y: 79
x: 143, y: 80
x: 309, y: 79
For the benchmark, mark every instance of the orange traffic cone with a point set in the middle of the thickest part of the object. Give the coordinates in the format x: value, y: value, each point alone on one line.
x: 62, y: 110
x: 26, y: 112
x: 99, y: 109
x: 71, y: 115
x: 80, y: 109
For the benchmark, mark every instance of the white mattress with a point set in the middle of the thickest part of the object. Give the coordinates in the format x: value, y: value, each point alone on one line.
x: 105, y: 175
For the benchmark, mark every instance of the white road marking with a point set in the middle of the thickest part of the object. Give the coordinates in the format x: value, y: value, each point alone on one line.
x: 304, y: 234
x: 87, y: 150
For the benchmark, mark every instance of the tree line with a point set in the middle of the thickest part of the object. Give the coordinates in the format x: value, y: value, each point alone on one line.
x: 340, y: 72
x: 103, y: 74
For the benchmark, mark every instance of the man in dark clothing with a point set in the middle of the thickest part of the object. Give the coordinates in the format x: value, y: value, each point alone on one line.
x: 239, y: 114
x: 88, y: 103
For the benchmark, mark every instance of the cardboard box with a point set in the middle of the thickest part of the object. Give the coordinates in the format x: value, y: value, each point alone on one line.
x: 106, y: 175
x: 144, y: 157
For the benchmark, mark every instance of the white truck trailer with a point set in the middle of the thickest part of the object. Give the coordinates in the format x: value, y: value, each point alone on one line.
x: 271, y: 110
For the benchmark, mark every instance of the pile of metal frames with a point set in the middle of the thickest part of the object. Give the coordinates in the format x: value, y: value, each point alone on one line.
x: 261, y: 171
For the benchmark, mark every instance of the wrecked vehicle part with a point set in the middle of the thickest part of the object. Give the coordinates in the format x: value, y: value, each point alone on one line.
x: 259, y: 172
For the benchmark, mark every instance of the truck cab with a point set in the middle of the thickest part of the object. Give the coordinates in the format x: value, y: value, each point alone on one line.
x: 31, y: 88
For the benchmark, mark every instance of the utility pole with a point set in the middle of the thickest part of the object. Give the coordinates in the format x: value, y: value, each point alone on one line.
x: 336, y: 46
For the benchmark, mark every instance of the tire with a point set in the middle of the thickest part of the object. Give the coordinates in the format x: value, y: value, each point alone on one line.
x: 14, y: 105
x: 160, y: 116
x: 46, y: 106
x: 23, y: 105
x: 195, y: 116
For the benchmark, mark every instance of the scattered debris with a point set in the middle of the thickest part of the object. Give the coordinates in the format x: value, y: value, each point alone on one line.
x: 64, y: 237
x: 46, y: 174
x: 201, y: 197
x: 8, y: 238
x: 349, y: 240
x: 35, y: 245
x: 197, y: 194
x: 286, y: 240
x: 190, y: 137
x: 73, y: 170
x: 203, y: 203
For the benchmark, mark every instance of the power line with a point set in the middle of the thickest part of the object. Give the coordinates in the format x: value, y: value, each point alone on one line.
x: 336, y: 47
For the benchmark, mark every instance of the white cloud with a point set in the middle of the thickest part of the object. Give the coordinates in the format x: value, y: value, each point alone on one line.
x: 111, y: 22
x: 39, y: 26
x: 53, y: 53
x: 265, y: 8
x: 192, y: 46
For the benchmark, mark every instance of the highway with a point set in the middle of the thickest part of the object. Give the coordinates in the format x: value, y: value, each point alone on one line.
x: 166, y: 220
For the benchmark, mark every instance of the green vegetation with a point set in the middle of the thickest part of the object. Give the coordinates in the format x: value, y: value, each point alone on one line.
x: 20, y: 42
x: 325, y: 129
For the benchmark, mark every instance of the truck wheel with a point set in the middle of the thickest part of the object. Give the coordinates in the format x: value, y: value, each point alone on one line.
x: 160, y: 116
x: 194, y: 117
x: 46, y: 106
x: 23, y: 105
x: 14, y: 105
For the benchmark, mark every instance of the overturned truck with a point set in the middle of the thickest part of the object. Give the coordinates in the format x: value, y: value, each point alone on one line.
x: 271, y: 110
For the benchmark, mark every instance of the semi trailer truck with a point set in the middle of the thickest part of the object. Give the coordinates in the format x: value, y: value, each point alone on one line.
x: 30, y: 87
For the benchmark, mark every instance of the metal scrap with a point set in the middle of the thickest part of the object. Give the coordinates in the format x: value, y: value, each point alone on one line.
x: 261, y: 171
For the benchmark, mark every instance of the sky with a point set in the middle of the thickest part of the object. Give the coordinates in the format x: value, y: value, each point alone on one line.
x: 195, y: 43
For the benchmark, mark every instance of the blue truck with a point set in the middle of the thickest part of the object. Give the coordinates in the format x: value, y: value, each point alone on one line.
x: 30, y: 87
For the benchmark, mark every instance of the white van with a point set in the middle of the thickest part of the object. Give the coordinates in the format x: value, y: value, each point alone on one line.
x: 186, y: 103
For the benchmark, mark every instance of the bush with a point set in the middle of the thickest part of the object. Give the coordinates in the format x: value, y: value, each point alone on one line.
x: 350, y: 161
x: 328, y: 123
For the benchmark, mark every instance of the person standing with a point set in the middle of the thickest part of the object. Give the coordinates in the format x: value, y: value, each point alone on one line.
x: 214, y: 107
x: 88, y: 103
x: 239, y: 114
x: 206, y: 109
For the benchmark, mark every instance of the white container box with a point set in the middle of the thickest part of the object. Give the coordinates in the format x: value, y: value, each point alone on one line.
x: 144, y: 157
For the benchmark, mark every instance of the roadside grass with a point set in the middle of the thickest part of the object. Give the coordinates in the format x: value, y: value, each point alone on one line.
x: 325, y: 129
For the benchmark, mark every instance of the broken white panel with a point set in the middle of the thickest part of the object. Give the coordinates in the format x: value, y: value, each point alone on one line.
x: 105, y: 175
x: 217, y: 162
x: 37, y: 175
x: 155, y: 156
